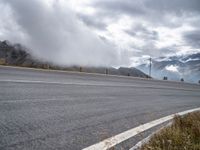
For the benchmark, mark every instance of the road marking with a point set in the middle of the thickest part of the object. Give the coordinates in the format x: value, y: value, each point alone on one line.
x: 145, y: 140
x: 98, y: 74
x: 112, y: 141
x: 97, y: 84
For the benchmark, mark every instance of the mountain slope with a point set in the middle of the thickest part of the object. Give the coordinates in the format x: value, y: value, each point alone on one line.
x: 175, y: 67
x: 17, y: 55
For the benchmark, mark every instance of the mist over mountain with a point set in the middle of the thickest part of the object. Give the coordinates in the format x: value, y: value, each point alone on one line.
x: 17, y: 55
x: 101, y: 32
x: 175, y: 67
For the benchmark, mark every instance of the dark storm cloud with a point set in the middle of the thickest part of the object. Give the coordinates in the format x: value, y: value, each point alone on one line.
x: 119, y: 7
x: 158, y: 12
x: 142, y: 32
x: 91, y: 21
x: 155, y: 14
x: 144, y: 7
x: 175, y: 6
x: 193, y: 38
x: 150, y: 49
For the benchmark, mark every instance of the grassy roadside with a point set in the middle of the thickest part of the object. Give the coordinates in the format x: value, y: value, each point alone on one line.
x: 183, y: 134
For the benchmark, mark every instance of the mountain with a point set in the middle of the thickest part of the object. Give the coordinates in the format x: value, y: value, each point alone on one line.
x: 175, y: 67
x: 17, y: 55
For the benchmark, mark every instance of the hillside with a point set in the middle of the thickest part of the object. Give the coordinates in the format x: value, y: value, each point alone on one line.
x: 17, y: 55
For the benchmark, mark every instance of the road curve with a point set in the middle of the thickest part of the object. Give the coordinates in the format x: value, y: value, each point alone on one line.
x: 45, y: 110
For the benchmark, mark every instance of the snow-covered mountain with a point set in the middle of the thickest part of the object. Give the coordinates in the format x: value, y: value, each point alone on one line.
x: 175, y: 67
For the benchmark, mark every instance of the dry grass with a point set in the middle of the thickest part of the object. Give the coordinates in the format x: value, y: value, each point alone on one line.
x: 183, y: 134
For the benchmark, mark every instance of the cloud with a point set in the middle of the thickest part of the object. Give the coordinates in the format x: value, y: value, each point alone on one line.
x: 119, y: 7
x: 92, y: 22
x: 147, y: 8
x: 172, y: 68
x: 116, y: 31
x: 154, y: 27
x: 53, y: 32
x: 178, y: 7
x: 193, y: 38
x: 143, y: 32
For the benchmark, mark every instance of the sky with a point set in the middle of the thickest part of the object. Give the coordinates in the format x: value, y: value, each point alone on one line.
x: 102, y: 32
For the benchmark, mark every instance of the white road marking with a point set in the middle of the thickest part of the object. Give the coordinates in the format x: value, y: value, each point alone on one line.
x: 97, y: 84
x: 50, y: 82
x: 97, y: 74
x: 112, y: 141
x: 145, y: 140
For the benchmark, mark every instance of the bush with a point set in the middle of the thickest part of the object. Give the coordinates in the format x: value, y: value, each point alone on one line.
x: 183, y: 134
x: 2, y: 61
x: 165, y: 78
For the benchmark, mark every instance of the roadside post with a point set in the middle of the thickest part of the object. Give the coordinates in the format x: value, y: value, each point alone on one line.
x: 150, y: 65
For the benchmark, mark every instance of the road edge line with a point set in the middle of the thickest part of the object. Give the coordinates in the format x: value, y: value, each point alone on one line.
x: 146, y: 139
x: 117, y: 139
x: 97, y: 74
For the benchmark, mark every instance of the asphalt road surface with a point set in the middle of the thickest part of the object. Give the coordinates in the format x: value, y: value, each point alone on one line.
x: 44, y: 110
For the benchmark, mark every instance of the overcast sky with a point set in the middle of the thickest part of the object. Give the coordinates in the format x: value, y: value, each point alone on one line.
x: 102, y: 32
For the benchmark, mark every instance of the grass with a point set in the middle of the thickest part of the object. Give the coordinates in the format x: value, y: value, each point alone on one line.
x: 183, y: 134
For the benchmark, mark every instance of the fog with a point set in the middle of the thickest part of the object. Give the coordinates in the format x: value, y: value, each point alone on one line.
x: 101, y: 32
x: 52, y: 32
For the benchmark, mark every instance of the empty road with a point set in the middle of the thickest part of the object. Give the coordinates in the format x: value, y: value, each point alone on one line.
x: 44, y: 110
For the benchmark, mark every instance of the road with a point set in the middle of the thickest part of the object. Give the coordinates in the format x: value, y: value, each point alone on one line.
x: 44, y: 110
